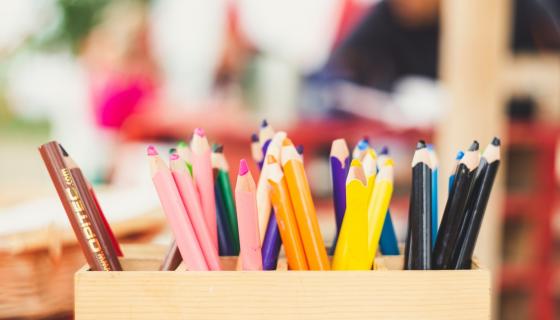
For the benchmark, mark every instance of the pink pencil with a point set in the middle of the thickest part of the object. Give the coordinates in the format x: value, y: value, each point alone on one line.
x: 176, y: 213
x: 246, y: 205
x: 204, y: 180
x: 191, y: 201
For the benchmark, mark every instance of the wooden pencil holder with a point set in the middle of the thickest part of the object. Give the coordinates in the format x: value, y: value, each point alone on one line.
x: 388, y: 292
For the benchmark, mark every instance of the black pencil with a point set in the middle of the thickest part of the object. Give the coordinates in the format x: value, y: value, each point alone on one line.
x: 419, y: 240
x: 476, y: 205
x: 455, y: 209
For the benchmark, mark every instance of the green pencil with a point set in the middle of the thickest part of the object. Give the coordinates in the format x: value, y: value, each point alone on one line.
x: 225, y: 192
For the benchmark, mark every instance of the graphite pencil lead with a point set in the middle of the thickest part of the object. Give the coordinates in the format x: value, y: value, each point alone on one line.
x: 421, y: 144
x: 384, y: 150
x: 254, y: 137
x: 496, y: 141
x: 172, y: 150
x: 474, y: 146
x: 64, y: 153
x: 218, y: 148
x: 264, y: 123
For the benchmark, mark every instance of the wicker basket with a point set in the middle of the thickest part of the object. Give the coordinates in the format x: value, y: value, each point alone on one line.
x: 37, y: 268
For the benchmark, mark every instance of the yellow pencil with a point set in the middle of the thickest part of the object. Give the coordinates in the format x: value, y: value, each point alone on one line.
x: 378, y: 205
x: 369, y: 163
x: 351, y: 251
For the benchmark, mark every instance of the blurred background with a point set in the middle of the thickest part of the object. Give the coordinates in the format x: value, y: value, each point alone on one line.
x: 105, y: 78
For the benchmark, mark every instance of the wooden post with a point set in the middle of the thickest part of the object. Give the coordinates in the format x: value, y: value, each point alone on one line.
x: 474, y: 52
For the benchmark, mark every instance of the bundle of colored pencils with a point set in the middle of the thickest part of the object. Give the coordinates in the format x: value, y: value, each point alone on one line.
x: 362, y: 192
x: 209, y: 218
x: 469, y: 190
x: 205, y: 219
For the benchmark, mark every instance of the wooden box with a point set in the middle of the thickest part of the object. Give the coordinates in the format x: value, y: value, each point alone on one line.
x: 142, y: 292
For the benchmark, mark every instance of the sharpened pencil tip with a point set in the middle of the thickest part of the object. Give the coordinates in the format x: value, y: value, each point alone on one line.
x: 152, y: 151
x: 474, y: 146
x: 172, y: 151
x: 299, y: 149
x: 218, y: 148
x: 496, y: 141
x: 384, y: 150
x: 199, y: 132
x: 460, y: 155
x: 421, y: 144
x: 254, y: 137
x: 363, y: 144
x: 366, y: 139
x: 243, y: 167
x: 264, y: 123
x: 173, y: 156
x: 64, y: 153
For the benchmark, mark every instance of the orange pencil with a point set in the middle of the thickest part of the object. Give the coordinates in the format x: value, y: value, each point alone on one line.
x: 287, y: 224
x: 246, y: 205
x: 306, y: 217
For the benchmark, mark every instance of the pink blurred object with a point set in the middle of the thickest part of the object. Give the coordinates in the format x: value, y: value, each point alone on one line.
x: 116, y: 97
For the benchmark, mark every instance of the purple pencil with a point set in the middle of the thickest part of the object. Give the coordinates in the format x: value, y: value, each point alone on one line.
x: 272, y: 241
x: 340, y: 162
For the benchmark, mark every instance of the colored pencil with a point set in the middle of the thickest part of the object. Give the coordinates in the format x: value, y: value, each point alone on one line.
x: 272, y: 241
x: 360, y: 149
x: 256, y: 151
x: 225, y: 234
x: 224, y: 237
x: 202, y: 170
x: 419, y: 243
x: 306, y: 217
x: 266, y: 133
x: 224, y: 193
x: 189, y: 197
x: 71, y: 164
x: 351, y: 251
x: 476, y: 205
x: 369, y: 164
x: 378, y: 206
x: 388, y: 244
x: 285, y: 216
x: 172, y: 258
x: 455, y: 209
x: 458, y: 158
x: 340, y: 163
x: 85, y: 227
x: 176, y: 213
x: 246, y: 205
x: 435, y: 170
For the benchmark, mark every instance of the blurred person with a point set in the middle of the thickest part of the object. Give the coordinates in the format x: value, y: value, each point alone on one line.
x: 391, y: 57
